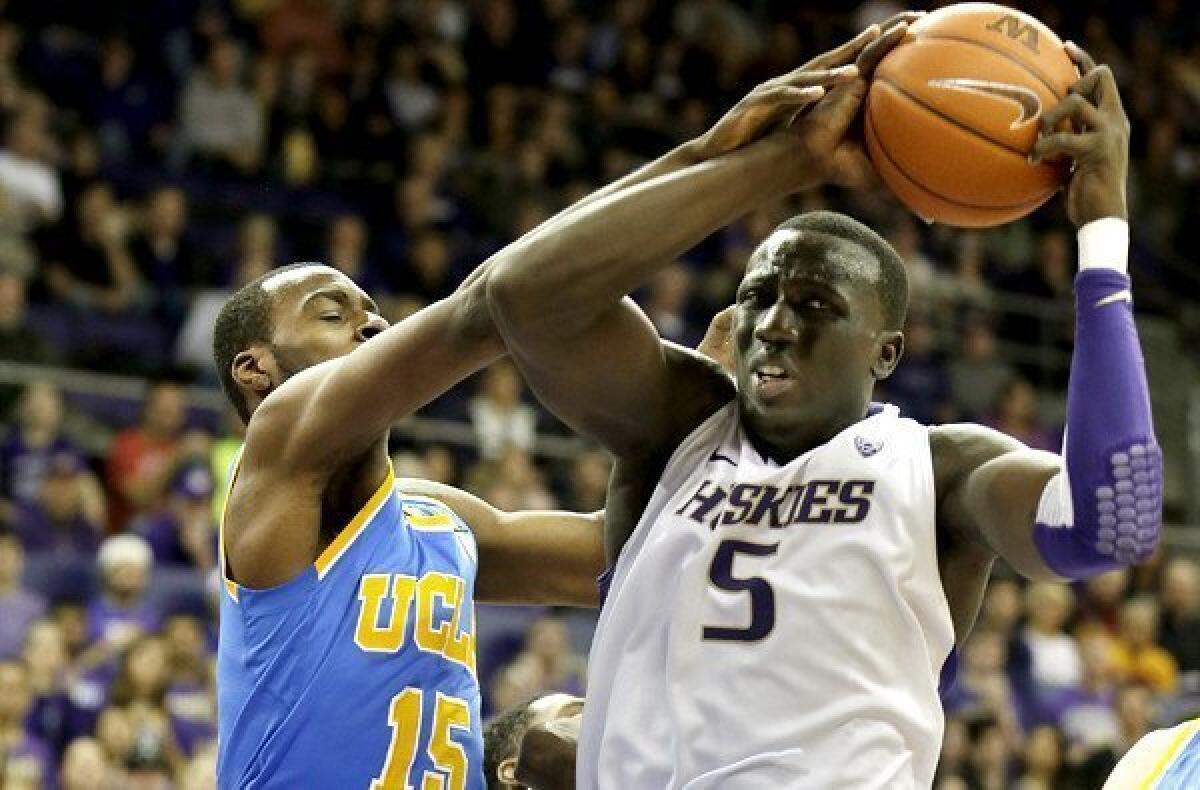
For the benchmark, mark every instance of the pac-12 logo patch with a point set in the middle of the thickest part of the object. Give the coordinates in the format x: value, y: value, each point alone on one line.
x: 867, y: 447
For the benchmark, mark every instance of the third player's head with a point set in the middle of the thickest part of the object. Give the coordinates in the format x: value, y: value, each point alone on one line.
x: 286, y: 321
x: 533, y: 745
x: 818, y: 322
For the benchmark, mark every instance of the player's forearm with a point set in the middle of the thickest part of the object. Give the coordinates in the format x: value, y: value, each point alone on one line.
x: 341, y: 407
x: 543, y: 558
x: 562, y: 275
x: 1107, y: 510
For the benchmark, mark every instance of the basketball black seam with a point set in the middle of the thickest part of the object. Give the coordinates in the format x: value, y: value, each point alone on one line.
x: 887, y: 154
x: 976, y: 132
x: 1033, y: 70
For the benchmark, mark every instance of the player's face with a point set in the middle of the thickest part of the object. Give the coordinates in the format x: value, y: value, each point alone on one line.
x: 318, y: 314
x: 808, y: 334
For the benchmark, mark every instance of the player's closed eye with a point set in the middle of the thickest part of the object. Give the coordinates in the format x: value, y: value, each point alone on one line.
x: 337, y: 317
x: 756, y: 296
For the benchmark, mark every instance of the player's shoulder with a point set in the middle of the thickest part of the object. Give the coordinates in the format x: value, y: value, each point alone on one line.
x: 276, y: 431
x: 429, y: 500
x: 961, y: 446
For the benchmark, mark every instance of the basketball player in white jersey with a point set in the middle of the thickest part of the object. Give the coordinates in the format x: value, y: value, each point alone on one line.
x: 792, y: 566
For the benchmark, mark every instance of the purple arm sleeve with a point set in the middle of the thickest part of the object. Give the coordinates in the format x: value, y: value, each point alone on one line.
x: 1113, y: 463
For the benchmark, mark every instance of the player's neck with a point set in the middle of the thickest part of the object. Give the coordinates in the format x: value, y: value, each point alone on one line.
x: 783, y: 442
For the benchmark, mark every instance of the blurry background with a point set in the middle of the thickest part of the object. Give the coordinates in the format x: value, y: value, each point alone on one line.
x: 156, y: 155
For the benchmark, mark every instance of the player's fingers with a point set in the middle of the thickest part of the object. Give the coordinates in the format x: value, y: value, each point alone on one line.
x: 804, y: 76
x: 874, y: 52
x: 827, y: 77
x: 1079, y: 110
x: 1098, y: 82
x: 846, y: 53
x: 834, y: 113
x: 907, y: 17
x: 1104, y: 90
x: 1082, y: 59
x: 1061, y: 144
x: 786, y: 98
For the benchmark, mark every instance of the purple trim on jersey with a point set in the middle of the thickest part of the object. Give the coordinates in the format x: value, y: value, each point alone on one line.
x: 1113, y: 463
x: 949, y: 673
x: 604, y: 583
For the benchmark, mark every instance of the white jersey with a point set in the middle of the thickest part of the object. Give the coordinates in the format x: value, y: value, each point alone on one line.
x: 775, y: 626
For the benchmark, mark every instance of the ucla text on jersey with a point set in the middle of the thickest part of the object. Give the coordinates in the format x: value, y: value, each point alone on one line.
x: 359, y: 672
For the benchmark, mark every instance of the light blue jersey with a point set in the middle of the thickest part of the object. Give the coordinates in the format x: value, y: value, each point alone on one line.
x: 359, y: 672
x: 1161, y: 760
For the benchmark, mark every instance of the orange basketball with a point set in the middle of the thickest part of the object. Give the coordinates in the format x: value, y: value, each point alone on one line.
x: 954, y: 111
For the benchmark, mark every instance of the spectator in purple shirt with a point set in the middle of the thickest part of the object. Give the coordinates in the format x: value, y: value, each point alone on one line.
x: 191, y: 697
x: 19, y: 607
x: 140, y: 690
x: 27, y: 761
x: 921, y: 387
x: 51, y: 714
x: 61, y: 524
x: 1086, y: 713
x: 31, y: 442
x: 182, y: 533
x: 121, y: 611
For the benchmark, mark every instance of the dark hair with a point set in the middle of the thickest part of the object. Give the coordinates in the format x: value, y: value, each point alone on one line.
x: 893, y: 278
x: 502, y: 739
x: 245, y: 319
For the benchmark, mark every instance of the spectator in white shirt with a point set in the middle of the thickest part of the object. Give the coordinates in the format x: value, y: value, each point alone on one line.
x: 499, y: 417
x: 30, y: 191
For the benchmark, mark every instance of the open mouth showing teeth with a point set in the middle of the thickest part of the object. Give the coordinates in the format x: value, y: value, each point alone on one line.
x: 770, y: 373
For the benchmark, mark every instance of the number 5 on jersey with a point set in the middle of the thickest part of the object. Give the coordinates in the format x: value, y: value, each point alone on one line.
x: 450, y: 713
x: 762, y: 597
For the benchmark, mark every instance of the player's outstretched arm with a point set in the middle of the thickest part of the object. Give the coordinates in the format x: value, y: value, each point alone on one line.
x: 530, y: 557
x: 1098, y: 505
x: 558, y: 294
x: 335, y: 410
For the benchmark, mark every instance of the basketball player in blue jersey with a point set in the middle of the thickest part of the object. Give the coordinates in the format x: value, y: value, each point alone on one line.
x: 346, y: 655
x: 1162, y: 760
x: 792, y: 566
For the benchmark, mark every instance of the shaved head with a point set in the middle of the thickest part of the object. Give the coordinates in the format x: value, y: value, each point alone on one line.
x: 838, y: 246
x: 245, y: 319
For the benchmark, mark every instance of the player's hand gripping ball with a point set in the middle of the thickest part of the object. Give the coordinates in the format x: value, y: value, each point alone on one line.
x: 954, y: 111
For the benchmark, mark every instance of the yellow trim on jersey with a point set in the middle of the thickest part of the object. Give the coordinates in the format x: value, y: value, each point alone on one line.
x: 344, y: 538
x: 439, y: 522
x: 1181, y: 740
x: 230, y: 585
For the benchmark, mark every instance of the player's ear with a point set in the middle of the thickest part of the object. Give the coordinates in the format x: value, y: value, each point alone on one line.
x: 888, y: 353
x: 506, y: 770
x: 253, y: 370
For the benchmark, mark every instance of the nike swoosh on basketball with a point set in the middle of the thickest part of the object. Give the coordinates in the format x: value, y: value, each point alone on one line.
x: 1028, y: 103
x: 1124, y: 295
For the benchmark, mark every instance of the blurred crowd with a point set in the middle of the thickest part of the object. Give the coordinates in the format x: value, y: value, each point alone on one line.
x: 155, y: 156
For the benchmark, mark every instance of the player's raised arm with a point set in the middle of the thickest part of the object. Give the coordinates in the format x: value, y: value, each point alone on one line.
x: 1098, y: 506
x: 558, y: 295
x: 335, y: 410
x: 529, y: 557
